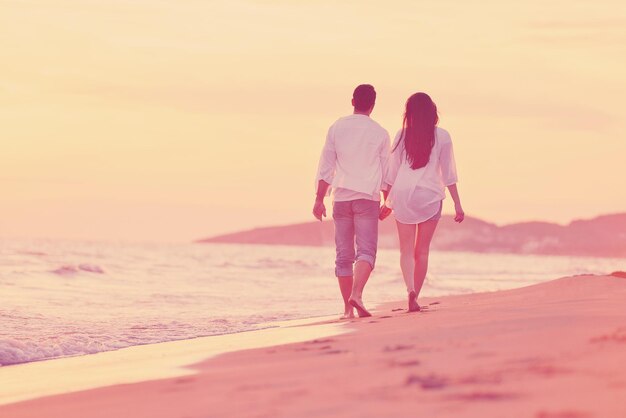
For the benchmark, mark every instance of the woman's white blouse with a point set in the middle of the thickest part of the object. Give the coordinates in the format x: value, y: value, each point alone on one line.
x: 415, y: 195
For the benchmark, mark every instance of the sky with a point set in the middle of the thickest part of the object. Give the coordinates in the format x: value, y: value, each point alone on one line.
x: 150, y: 120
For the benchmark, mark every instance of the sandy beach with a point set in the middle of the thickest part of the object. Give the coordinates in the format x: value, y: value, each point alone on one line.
x: 553, y: 350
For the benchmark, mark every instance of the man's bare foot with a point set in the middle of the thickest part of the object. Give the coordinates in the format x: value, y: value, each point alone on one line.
x: 413, y: 306
x: 360, y: 309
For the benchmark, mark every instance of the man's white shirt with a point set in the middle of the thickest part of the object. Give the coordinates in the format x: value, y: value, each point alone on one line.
x: 355, y: 158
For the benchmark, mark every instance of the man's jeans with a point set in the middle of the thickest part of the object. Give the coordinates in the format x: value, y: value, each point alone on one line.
x: 355, y: 218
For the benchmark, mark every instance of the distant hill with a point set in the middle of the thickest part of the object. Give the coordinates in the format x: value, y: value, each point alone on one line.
x: 604, y: 236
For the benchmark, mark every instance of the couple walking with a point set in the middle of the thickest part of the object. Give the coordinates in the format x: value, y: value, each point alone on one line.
x: 358, y: 165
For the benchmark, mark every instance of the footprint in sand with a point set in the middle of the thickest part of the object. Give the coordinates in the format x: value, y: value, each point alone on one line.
x: 617, y: 336
x: 326, y: 341
x: 398, y: 347
x: 548, y: 370
x: 435, y: 303
x: 562, y: 414
x: 481, y: 379
x: 334, y: 352
x: 406, y: 363
x: 482, y: 354
x: 397, y: 309
x: 430, y: 382
x: 184, y: 380
x: 483, y: 396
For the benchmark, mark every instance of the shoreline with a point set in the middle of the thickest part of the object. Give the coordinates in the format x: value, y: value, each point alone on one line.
x: 154, y: 361
x: 263, y: 326
x: 482, y: 354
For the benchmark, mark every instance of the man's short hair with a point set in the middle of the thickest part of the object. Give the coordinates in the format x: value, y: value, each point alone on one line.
x: 364, y: 97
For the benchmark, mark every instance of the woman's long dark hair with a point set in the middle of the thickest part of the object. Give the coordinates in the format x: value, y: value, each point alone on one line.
x: 418, y: 129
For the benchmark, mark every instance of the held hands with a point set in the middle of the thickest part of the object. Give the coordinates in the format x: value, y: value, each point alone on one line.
x: 319, y: 210
x: 460, y: 215
x: 384, y: 212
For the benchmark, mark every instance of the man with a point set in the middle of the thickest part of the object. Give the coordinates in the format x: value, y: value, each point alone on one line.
x: 354, y: 161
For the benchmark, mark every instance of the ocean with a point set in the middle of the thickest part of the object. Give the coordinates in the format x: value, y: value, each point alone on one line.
x: 67, y: 298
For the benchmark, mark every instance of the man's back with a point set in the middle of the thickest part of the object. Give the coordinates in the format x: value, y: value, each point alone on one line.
x: 355, y: 155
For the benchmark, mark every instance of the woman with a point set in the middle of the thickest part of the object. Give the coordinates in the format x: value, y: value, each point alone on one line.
x: 421, y: 167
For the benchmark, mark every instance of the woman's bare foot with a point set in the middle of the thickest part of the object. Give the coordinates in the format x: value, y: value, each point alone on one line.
x: 360, y: 308
x: 413, y: 306
x: 348, y: 311
x: 348, y: 314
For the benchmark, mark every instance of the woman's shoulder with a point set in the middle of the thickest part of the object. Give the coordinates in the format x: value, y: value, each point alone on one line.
x: 442, y: 135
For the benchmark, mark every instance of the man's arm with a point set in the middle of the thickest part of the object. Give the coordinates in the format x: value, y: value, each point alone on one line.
x: 384, y: 209
x: 322, y: 190
x: 385, y: 156
x: 325, y: 174
x: 319, y: 210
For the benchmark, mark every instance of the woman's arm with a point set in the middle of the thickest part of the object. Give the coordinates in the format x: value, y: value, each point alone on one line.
x: 449, y: 176
x: 454, y: 193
